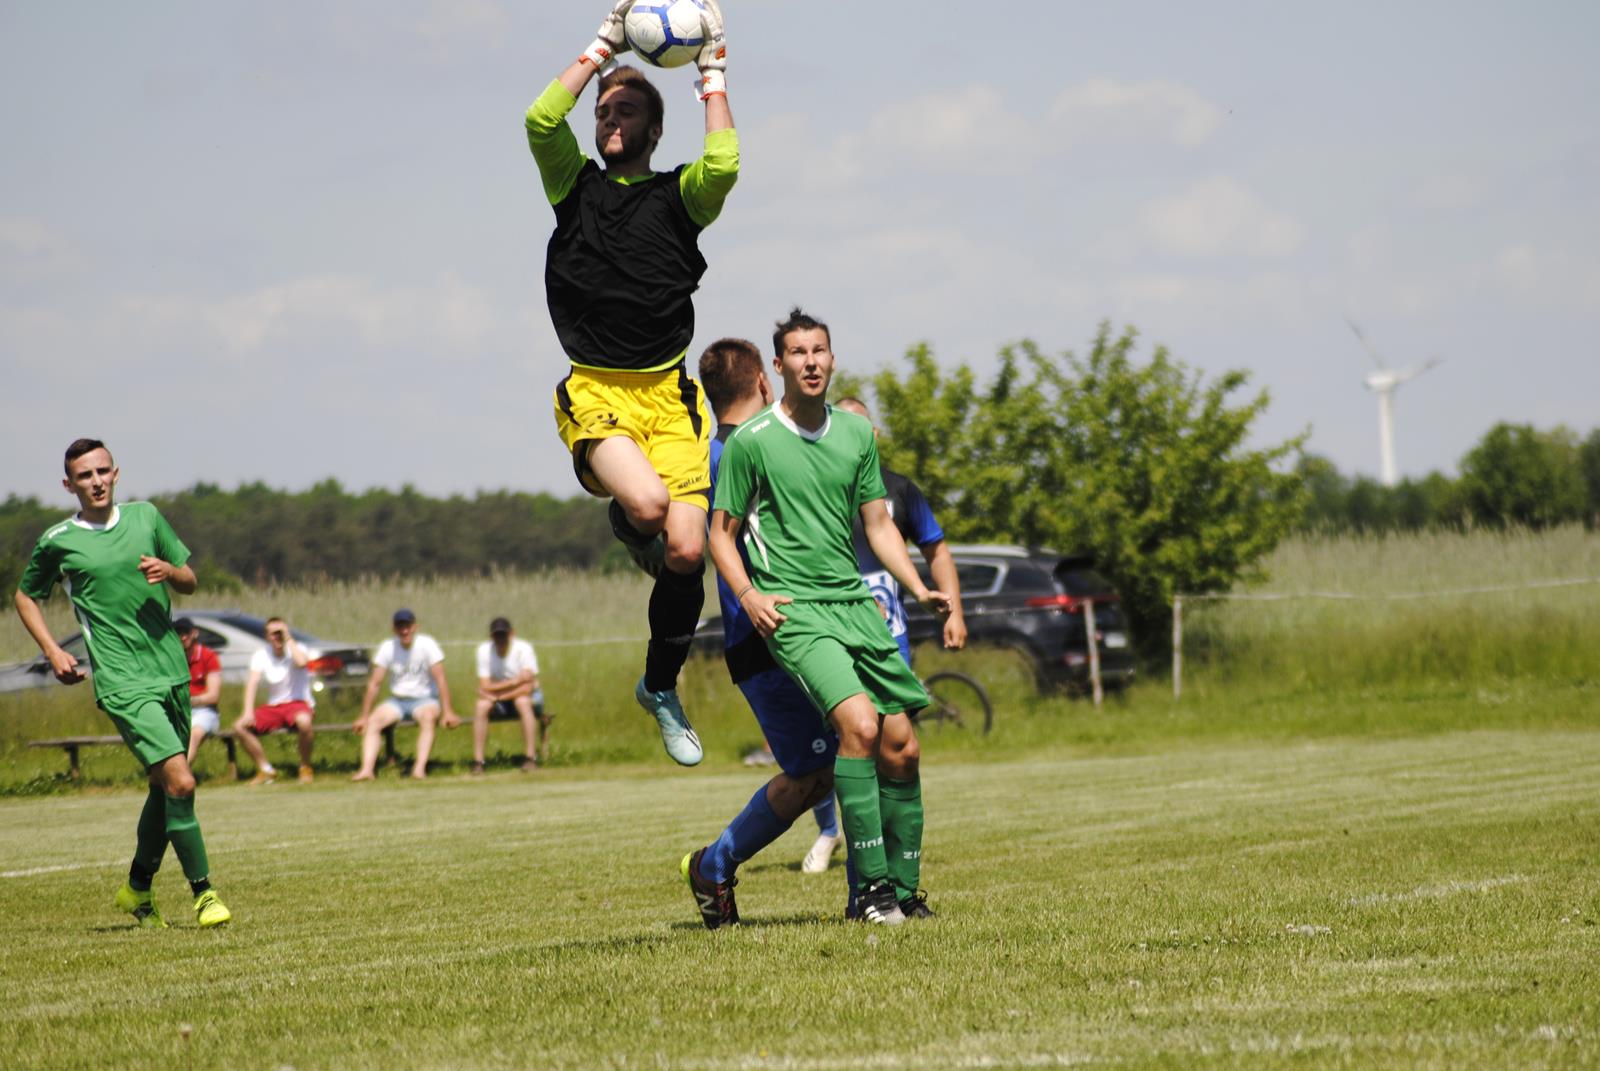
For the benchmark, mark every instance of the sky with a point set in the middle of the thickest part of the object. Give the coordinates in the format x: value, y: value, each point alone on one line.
x: 293, y: 241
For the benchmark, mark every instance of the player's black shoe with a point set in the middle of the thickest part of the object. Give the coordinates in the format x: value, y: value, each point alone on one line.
x: 648, y: 552
x: 916, y: 906
x: 879, y: 906
x: 714, y: 899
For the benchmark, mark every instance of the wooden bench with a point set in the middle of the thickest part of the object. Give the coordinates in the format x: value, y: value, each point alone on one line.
x: 73, y: 744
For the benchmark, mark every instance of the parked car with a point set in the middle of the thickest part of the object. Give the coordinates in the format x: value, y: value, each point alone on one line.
x: 235, y: 636
x: 1030, y: 600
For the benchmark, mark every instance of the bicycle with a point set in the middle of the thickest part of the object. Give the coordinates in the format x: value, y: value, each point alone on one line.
x: 957, y: 700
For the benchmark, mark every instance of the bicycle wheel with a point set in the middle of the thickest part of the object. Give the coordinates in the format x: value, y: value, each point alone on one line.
x: 957, y: 700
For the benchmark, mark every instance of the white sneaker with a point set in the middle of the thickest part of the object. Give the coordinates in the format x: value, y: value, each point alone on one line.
x: 816, y: 860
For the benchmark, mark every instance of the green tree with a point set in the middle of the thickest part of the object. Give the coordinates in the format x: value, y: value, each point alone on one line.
x: 1520, y: 475
x: 1589, y: 462
x: 1144, y: 465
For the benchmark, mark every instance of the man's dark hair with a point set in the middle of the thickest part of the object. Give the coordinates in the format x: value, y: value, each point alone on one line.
x: 729, y: 370
x: 799, y: 320
x: 633, y: 78
x: 80, y: 447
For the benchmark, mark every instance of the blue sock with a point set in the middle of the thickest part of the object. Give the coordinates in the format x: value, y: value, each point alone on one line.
x: 757, y: 826
x: 827, y: 816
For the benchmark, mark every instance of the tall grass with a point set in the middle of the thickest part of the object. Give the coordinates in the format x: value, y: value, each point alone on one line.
x: 1305, y: 667
x: 1468, y: 639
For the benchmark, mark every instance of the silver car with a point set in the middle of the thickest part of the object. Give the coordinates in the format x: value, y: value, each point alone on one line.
x: 235, y: 636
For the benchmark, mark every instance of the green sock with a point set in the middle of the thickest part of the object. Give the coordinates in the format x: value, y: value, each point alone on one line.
x: 152, y: 840
x: 855, y: 782
x: 900, y: 802
x: 184, y: 831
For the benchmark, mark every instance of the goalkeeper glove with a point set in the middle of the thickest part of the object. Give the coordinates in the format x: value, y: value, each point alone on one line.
x: 609, y: 39
x: 713, y: 58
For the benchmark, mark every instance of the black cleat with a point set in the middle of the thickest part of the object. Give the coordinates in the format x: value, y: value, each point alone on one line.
x: 878, y: 905
x: 916, y: 906
x: 649, y: 553
x: 715, y: 901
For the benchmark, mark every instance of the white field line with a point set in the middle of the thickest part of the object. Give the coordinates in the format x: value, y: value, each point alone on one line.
x: 1435, y: 892
x: 1393, y: 596
x: 59, y: 868
x: 35, y: 871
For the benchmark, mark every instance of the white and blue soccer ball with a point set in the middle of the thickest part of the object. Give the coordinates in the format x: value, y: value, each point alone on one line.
x: 665, y: 33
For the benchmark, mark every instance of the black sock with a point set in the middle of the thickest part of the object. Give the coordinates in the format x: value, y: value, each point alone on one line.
x: 675, y: 604
x: 198, y: 887
x: 623, y: 528
x: 139, y: 878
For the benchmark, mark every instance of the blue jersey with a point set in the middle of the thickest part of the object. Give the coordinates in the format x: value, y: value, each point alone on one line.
x: 915, y: 520
x: 743, y: 648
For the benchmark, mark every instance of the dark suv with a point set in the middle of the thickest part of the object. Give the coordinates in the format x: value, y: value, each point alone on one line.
x: 1033, y: 600
x: 1029, y: 600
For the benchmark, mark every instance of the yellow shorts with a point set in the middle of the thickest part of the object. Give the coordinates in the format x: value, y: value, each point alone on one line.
x: 660, y: 411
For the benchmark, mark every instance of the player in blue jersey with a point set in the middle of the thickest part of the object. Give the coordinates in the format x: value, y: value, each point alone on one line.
x: 735, y: 381
x: 909, y: 508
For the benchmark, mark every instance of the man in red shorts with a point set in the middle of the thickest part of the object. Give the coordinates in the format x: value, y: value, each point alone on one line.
x: 289, y: 704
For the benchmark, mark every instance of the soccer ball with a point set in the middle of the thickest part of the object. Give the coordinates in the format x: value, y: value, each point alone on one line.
x: 665, y: 33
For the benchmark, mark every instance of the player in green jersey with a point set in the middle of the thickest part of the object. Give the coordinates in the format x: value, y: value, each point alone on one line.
x: 792, y: 479
x: 115, y: 563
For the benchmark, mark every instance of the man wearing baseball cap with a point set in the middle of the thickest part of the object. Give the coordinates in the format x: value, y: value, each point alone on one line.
x: 508, y: 687
x: 418, y: 693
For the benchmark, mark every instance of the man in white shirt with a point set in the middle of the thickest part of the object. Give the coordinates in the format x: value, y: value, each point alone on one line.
x: 289, y: 704
x: 418, y: 693
x: 508, y: 687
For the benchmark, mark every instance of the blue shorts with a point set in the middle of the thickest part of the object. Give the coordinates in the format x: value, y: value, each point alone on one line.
x: 801, y: 739
x: 408, y: 707
x: 507, y: 708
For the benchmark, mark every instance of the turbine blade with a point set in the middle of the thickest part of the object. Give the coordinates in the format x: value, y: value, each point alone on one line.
x: 1371, y: 352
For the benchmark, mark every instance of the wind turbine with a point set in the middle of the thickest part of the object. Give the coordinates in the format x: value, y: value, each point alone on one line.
x: 1382, y: 383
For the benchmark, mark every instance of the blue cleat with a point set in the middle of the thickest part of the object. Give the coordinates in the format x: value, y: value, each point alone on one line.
x: 677, y: 735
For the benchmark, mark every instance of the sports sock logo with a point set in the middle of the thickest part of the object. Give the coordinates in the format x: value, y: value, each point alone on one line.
x: 860, y: 845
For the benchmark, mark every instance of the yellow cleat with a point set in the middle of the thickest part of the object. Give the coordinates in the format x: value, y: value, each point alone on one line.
x: 210, y: 910
x: 142, y: 906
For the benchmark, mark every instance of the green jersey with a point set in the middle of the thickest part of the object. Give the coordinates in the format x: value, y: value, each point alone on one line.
x: 127, y: 621
x: 797, y: 492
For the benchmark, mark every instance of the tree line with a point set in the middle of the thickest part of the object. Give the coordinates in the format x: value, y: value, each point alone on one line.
x: 1516, y: 475
x: 257, y: 534
x: 1146, y: 464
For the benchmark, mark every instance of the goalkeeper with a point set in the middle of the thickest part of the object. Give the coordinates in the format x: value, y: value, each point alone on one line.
x: 619, y: 274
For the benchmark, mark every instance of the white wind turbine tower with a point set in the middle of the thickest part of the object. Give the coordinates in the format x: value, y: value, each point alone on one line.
x: 1383, y: 382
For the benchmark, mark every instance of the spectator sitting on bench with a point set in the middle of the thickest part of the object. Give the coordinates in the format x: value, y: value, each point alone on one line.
x: 419, y: 692
x: 508, y: 687
x: 205, y: 685
x: 289, y: 704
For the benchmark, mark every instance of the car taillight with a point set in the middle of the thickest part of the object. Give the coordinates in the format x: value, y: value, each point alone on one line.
x: 1064, y: 603
x: 326, y: 666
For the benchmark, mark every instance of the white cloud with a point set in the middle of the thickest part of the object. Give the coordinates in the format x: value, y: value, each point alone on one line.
x: 971, y: 130
x: 1106, y: 110
x: 31, y: 250
x: 965, y: 131
x: 450, y: 25
x: 1216, y: 217
x: 448, y: 314
x: 1452, y: 192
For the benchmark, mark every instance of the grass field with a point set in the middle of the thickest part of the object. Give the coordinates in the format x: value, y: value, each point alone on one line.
x: 1425, y: 902
x: 1366, y: 837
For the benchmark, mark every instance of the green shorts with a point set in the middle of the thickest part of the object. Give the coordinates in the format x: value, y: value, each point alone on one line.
x: 154, y: 723
x: 835, y: 650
